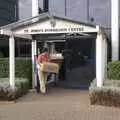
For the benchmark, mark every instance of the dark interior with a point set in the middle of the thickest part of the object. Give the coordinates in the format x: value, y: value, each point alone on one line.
x: 78, y: 67
x: 80, y: 62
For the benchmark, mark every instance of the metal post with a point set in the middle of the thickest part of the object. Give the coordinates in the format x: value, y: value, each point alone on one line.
x: 12, y: 62
x: 35, y: 12
x: 33, y: 63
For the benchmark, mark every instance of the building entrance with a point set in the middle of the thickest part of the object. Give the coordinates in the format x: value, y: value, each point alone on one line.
x: 80, y: 62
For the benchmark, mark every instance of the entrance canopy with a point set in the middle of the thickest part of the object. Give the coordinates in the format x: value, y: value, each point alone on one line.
x: 47, y: 25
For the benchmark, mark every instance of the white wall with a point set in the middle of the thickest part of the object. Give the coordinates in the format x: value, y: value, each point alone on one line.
x: 77, y: 9
x: 100, y: 10
x: 57, y: 7
x: 25, y: 9
x: 41, y: 3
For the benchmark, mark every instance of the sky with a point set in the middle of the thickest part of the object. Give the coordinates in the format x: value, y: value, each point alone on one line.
x: 76, y: 9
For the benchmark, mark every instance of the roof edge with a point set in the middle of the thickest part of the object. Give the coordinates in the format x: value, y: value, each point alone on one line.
x: 40, y: 16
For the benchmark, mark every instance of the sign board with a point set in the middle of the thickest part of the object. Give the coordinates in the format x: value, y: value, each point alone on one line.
x: 57, y: 26
x: 52, y: 30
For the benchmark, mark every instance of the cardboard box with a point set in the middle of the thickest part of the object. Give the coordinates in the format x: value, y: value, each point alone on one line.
x: 49, y: 67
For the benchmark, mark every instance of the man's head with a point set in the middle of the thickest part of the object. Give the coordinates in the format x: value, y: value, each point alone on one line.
x: 45, y: 50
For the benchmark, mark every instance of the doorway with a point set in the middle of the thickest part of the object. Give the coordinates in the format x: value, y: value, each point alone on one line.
x: 79, y: 62
x: 78, y: 67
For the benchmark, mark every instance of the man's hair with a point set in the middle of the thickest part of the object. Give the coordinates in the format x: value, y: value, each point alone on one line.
x: 45, y: 50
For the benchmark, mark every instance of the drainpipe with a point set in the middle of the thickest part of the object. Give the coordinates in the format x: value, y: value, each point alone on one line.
x: 65, y: 8
x: 88, y: 4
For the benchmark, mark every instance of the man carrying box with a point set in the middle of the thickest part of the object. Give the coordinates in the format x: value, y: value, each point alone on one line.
x: 43, y: 57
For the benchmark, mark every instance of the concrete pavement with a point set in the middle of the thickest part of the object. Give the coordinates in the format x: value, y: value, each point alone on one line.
x: 59, y: 104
